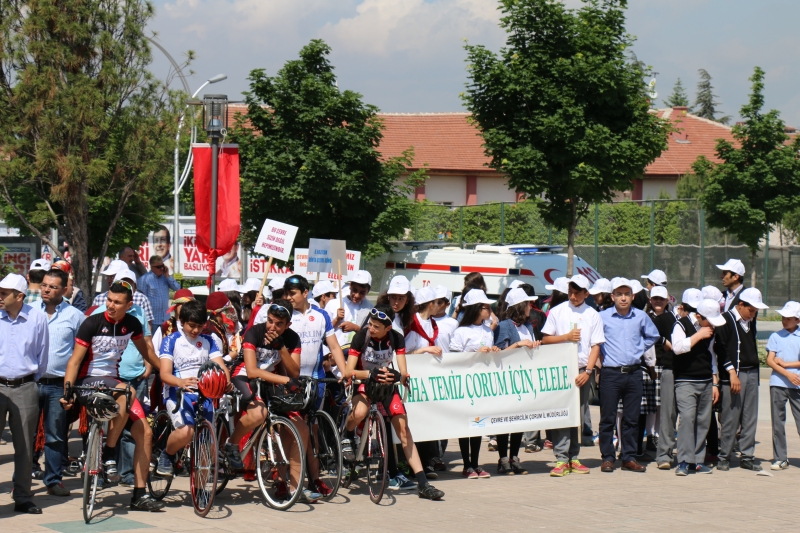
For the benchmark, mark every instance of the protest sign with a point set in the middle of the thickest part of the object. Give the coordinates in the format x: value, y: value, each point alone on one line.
x: 301, y: 262
x: 275, y: 240
x: 488, y: 393
x: 319, y: 256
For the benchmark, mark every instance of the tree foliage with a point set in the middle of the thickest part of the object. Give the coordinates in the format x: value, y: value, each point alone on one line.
x: 679, y: 97
x: 705, y: 105
x: 87, y: 131
x: 562, y: 108
x: 309, y: 157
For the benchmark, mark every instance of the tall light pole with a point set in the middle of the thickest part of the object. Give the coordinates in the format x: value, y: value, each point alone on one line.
x: 215, y: 122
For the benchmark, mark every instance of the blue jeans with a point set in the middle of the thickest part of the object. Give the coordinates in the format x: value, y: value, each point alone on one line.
x: 55, y: 432
x: 127, y: 445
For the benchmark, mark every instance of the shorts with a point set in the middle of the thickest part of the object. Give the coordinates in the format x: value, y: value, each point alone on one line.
x: 136, y: 411
x: 393, y: 406
x: 185, y: 415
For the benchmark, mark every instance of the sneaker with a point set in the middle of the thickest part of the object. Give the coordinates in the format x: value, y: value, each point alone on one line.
x: 703, y: 469
x: 126, y: 481
x: 234, y: 459
x: 430, y: 473
x: 596, y: 439
x: 682, y: 470
x: 404, y: 469
x: 750, y: 464
x: 110, y: 469
x: 561, y: 469
x: 516, y: 465
x: 664, y: 465
x: 504, y: 467
x: 165, y: 468
x: 429, y: 492
x: 482, y: 473
x: 469, y: 473
x: 779, y: 465
x: 723, y: 465
x: 492, y: 445
x: 147, y: 503
x: 533, y: 447
x: 438, y: 464
x: 587, y: 441
x: 322, y: 488
x: 37, y: 474
x: 58, y: 490
x: 310, y: 496
x: 575, y: 467
x: 347, y: 451
x: 401, y: 482
x: 548, y: 445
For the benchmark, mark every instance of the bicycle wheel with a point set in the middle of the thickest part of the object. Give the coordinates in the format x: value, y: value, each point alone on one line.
x: 92, y: 470
x: 276, y: 445
x: 204, y: 465
x: 162, y: 427
x: 328, y: 450
x: 377, y: 457
x: 222, y: 436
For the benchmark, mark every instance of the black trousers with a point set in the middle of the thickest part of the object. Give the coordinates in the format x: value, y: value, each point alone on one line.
x: 614, y: 386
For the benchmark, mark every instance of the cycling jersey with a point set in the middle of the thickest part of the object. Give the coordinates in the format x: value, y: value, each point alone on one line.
x: 267, y: 355
x: 380, y: 352
x: 188, y: 355
x: 106, y: 340
x: 313, y: 328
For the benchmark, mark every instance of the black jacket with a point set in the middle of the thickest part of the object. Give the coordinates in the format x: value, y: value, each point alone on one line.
x: 735, y: 348
x: 697, y: 363
x: 665, y: 323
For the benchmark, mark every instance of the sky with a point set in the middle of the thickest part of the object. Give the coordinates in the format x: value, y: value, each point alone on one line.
x: 407, y: 56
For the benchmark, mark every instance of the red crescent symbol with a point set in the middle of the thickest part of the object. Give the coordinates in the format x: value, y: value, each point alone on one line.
x: 548, y: 276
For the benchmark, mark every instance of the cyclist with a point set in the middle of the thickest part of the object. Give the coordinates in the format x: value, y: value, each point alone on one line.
x: 104, y: 337
x: 182, y: 354
x: 371, y: 351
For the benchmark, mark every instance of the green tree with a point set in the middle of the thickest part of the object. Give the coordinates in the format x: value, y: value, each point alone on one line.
x: 87, y: 131
x: 705, y: 105
x: 678, y: 98
x: 309, y: 157
x: 757, y: 184
x: 562, y: 109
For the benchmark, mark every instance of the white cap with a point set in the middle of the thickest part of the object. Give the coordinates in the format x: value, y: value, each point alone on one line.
x: 752, y: 296
x: 362, y: 277
x: 40, y: 264
x: 399, y: 285
x: 126, y: 274
x: 560, y: 285
x: 424, y: 295
x: 636, y: 286
x: 322, y: 287
x: 693, y: 297
x: 711, y: 292
x: 518, y: 295
x: 252, y: 284
x: 227, y: 285
x: 618, y: 282
x: 443, y: 292
x: 477, y: 296
x: 709, y: 309
x: 276, y: 283
x: 656, y: 276
x: 790, y: 310
x: 733, y: 265
x: 16, y: 282
x: 601, y: 285
x: 659, y: 291
x: 115, y: 266
x: 581, y: 281
x: 516, y: 283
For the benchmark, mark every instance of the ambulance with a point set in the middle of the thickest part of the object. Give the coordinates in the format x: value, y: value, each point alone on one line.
x: 430, y: 264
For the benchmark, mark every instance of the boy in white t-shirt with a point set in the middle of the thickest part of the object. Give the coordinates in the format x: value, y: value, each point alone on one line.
x: 348, y: 317
x: 574, y: 321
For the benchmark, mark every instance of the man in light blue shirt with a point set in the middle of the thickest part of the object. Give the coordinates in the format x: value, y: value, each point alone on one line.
x: 63, y: 321
x: 156, y: 285
x: 23, y: 359
x: 629, y: 332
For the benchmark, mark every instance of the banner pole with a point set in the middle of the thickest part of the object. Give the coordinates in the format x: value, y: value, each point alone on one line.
x: 266, y: 273
x: 339, y: 266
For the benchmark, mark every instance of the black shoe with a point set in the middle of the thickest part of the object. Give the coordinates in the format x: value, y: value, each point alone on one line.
x: 750, y: 464
x: 430, y: 473
x: 652, y: 443
x: 429, y: 492
x: 147, y: 503
x: 723, y: 465
x: 30, y: 508
x: 38, y: 475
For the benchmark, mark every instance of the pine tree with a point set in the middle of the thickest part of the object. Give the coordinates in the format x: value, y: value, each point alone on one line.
x: 678, y: 98
x: 705, y: 105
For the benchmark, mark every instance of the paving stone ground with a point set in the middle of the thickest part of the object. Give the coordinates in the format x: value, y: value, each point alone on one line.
x: 654, y: 501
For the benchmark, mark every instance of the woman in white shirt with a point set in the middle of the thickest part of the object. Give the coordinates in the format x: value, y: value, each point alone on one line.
x: 423, y: 332
x: 400, y: 298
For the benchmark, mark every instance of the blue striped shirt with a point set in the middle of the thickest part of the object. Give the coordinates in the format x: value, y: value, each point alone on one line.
x: 156, y: 288
x: 62, y: 327
x: 24, y: 349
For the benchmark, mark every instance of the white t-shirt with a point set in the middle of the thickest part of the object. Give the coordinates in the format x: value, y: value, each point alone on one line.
x: 188, y: 355
x: 524, y: 333
x: 564, y: 317
x: 351, y: 312
x: 471, y: 338
x: 397, y: 324
x: 158, y: 337
x: 415, y: 341
x: 447, y: 325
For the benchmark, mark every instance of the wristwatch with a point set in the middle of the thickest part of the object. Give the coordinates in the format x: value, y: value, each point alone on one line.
x: 589, y: 371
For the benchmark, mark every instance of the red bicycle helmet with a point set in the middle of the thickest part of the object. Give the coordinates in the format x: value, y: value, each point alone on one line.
x: 211, y: 380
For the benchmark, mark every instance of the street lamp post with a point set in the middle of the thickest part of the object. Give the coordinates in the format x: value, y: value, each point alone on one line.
x: 215, y: 122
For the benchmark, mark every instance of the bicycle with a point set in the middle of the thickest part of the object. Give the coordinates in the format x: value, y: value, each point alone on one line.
x: 325, y: 441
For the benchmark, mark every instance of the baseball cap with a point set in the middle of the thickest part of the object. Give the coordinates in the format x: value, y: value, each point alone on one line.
x: 516, y: 296
x: 424, y: 295
x: 656, y: 276
x: 693, y: 297
x: 227, y: 285
x: 560, y: 285
x: 709, y: 309
x: 399, y: 285
x: 115, y: 266
x: 752, y: 296
x: 659, y: 291
x: 618, y: 282
x: 16, y: 282
x: 323, y: 287
x: 251, y: 284
x: 790, y: 309
x: 516, y: 283
x: 601, y: 285
x: 581, y: 281
x: 361, y: 277
x: 126, y: 274
x: 276, y: 283
x: 477, y: 296
x: 41, y: 264
x: 443, y: 292
x: 733, y: 265
x: 636, y: 286
x: 711, y: 292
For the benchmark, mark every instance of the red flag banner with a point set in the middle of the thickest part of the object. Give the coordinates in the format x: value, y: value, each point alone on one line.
x: 228, y: 223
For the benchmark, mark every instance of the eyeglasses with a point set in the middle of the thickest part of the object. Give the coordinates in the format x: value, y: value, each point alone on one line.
x: 276, y: 309
x: 124, y: 284
x: 380, y: 315
x: 160, y: 267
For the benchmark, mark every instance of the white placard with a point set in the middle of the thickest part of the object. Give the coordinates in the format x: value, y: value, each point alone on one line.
x: 275, y: 240
x: 319, y: 256
x: 301, y: 262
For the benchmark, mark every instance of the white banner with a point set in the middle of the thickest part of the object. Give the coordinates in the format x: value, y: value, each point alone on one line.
x: 472, y: 394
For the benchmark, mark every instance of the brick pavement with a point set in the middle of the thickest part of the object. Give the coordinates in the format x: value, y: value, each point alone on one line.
x: 622, y: 502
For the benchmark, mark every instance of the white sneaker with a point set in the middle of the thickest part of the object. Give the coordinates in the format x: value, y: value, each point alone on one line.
x: 779, y: 465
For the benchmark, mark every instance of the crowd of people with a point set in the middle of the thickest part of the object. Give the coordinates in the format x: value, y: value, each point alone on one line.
x: 676, y: 377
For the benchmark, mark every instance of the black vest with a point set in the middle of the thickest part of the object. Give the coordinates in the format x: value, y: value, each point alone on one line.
x: 694, y: 365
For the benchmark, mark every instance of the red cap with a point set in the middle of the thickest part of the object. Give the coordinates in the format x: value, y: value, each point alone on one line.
x: 184, y: 293
x: 216, y: 301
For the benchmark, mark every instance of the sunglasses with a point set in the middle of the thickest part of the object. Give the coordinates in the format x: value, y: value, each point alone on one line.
x: 279, y: 310
x: 293, y: 280
x: 160, y: 267
x: 124, y: 284
x: 380, y: 315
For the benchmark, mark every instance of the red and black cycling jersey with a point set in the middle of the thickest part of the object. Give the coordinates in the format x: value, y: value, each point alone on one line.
x: 267, y: 355
x: 106, y: 340
x: 380, y: 352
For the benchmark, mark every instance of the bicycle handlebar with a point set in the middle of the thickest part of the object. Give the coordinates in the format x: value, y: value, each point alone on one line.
x: 70, y: 390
